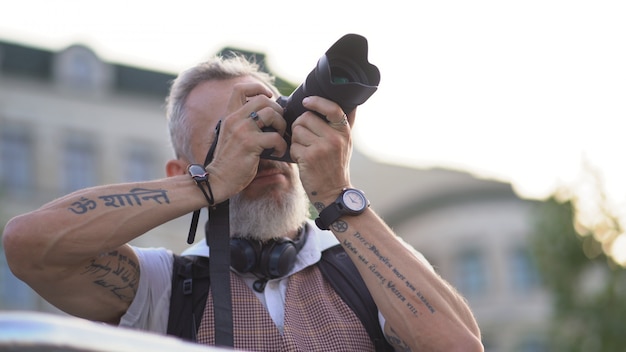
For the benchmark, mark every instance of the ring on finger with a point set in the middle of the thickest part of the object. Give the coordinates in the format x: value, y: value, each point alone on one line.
x: 343, y: 122
x: 254, y: 116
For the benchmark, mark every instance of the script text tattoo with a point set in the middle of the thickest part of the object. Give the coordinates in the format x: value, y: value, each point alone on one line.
x: 115, y: 272
x: 380, y: 264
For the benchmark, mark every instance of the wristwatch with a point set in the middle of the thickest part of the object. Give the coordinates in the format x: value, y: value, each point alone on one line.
x: 350, y: 202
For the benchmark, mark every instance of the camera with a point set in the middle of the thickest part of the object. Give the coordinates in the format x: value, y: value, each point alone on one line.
x: 342, y: 75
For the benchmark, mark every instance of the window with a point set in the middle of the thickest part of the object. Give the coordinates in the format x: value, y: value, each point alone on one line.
x: 16, y: 160
x: 140, y: 163
x: 80, y: 164
x: 471, y: 277
x: 14, y: 294
x: 524, y: 275
x: 79, y: 69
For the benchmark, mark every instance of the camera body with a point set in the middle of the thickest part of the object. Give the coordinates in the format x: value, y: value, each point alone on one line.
x: 342, y: 75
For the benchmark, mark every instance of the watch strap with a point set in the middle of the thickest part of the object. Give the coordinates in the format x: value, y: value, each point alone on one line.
x: 328, y: 216
x: 338, y: 208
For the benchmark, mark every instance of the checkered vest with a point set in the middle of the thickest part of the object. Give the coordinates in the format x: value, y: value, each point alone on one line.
x: 316, y: 319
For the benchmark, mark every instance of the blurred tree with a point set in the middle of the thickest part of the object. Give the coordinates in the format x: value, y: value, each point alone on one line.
x: 588, y: 288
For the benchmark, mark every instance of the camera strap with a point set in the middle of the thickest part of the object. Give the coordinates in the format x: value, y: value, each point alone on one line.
x: 217, y: 232
x: 209, y: 157
x: 217, y: 235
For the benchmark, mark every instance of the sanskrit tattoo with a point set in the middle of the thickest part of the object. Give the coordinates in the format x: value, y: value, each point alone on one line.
x: 116, y: 273
x: 133, y: 198
x: 82, y: 206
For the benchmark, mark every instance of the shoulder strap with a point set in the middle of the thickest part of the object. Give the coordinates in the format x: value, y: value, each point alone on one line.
x: 344, y: 277
x: 190, y: 289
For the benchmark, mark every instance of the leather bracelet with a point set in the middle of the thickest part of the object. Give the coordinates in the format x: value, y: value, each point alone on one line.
x: 201, y: 177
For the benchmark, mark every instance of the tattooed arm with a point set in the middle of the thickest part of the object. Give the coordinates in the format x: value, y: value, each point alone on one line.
x: 73, y: 250
x: 422, y: 311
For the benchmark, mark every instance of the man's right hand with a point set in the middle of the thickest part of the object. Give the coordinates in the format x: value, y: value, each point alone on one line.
x: 241, y: 141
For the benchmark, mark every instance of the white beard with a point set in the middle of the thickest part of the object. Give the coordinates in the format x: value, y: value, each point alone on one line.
x: 269, y: 217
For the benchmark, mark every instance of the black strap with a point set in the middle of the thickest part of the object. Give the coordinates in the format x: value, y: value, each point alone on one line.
x: 217, y: 234
x: 344, y: 277
x: 207, y: 160
x: 218, y: 240
x: 190, y: 288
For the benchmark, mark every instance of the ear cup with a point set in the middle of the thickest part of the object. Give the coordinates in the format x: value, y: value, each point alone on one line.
x: 277, y: 258
x: 272, y: 259
x: 244, y: 254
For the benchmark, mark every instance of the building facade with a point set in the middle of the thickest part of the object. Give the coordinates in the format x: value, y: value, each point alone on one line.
x: 68, y: 120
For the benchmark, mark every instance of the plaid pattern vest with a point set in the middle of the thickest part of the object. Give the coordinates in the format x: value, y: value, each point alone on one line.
x: 316, y: 319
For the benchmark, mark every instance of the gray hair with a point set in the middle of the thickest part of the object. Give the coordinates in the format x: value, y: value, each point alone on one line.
x: 217, y: 68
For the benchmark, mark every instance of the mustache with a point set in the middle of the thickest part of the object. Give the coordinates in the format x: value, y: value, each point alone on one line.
x: 265, y: 164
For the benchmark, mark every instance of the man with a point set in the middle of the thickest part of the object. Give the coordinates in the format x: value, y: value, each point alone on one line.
x: 74, y: 252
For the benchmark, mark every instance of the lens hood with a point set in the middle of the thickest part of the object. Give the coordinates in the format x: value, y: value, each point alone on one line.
x: 343, y: 74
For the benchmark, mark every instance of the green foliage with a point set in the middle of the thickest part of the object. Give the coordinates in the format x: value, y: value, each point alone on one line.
x: 589, y: 291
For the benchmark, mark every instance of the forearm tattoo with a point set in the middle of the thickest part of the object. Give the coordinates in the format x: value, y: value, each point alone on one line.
x: 392, y: 283
x: 396, y: 341
x: 133, y: 198
x: 376, y: 263
x: 116, y: 273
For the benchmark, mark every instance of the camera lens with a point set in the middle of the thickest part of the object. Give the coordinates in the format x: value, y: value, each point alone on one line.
x: 344, y: 70
x: 342, y: 75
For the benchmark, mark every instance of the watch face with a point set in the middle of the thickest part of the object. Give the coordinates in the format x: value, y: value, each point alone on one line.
x: 197, y: 172
x: 354, y: 200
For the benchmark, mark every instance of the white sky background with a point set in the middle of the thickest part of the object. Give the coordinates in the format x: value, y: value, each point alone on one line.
x: 520, y: 91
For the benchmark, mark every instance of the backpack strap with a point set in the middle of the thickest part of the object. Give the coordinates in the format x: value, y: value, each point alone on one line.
x: 344, y: 277
x: 190, y: 289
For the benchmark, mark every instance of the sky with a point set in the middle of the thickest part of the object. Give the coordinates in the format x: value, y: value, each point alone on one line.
x: 527, y: 92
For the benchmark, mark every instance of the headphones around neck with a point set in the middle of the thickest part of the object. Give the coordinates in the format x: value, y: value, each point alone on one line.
x: 270, y: 259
